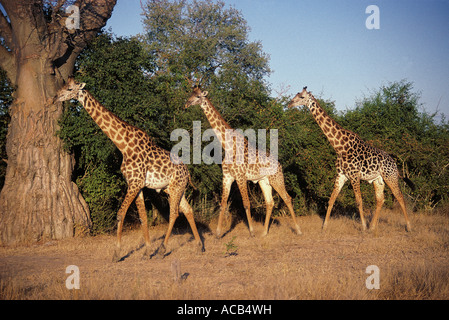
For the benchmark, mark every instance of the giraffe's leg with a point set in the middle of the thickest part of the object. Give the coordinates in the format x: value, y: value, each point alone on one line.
x: 379, y: 190
x: 144, y: 221
x: 185, y: 208
x: 227, y: 183
x: 394, y: 186
x: 173, y: 200
x: 269, y: 203
x: 278, y: 184
x: 129, y: 198
x: 358, y: 198
x: 243, y: 187
x: 339, y: 182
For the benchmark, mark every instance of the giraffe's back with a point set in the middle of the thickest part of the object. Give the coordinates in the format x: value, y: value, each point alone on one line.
x: 368, y: 161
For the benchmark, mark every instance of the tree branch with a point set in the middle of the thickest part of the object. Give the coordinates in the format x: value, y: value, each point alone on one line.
x: 56, y: 9
x: 93, y: 16
x: 62, y: 45
x: 6, y: 31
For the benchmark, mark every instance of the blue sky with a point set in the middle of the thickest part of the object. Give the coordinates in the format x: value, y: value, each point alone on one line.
x: 326, y: 46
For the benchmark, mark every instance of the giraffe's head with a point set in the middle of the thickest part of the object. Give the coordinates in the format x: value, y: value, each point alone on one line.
x: 301, y: 99
x: 70, y: 90
x: 197, y: 97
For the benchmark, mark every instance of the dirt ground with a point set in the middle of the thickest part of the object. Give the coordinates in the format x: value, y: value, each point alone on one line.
x: 316, y: 265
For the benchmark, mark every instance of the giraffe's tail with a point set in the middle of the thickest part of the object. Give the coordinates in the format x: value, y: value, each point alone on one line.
x: 409, y: 183
x: 191, y: 183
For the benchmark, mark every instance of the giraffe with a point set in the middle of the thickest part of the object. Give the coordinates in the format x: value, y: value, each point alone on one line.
x: 144, y: 165
x: 268, y: 174
x: 356, y: 160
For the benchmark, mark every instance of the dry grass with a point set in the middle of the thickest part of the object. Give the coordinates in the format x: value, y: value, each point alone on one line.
x: 316, y: 265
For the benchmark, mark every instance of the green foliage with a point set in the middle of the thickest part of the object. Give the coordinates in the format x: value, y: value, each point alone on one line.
x: 102, y: 191
x: 231, y: 248
x: 199, y: 39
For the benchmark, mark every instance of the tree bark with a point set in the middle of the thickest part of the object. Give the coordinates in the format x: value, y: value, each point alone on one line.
x: 39, y: 200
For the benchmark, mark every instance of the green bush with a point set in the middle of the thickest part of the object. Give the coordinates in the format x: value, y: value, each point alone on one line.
x: 102, y: 192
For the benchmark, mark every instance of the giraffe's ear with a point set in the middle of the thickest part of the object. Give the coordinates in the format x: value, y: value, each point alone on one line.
x: 82, y: 85
x: 205, y: 93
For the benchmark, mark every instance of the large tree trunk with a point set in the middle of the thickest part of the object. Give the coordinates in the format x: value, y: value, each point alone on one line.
x: 38, y: 200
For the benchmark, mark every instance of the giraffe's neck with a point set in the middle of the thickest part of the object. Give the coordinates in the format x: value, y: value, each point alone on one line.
x: 115, y: 128
x: 218, y: 124
x: 337, y: 136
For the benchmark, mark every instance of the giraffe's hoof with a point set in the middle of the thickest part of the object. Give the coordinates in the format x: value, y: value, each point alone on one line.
x: 160, y: 252
x: 146, y: 255
x: 201, y: 248
x: 408, y: 228
x: 116, y: 256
